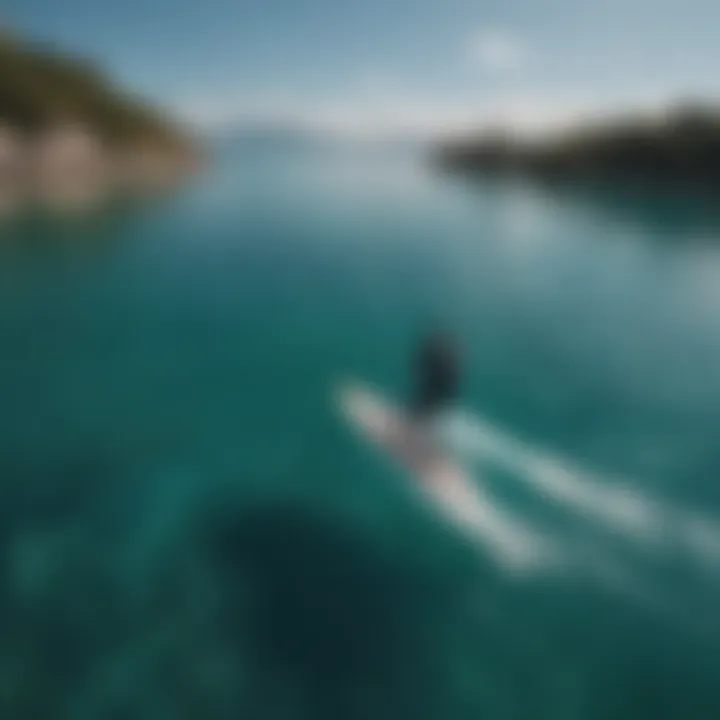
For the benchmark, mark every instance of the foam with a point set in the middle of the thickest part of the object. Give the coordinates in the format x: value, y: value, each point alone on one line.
x: 616, y: 504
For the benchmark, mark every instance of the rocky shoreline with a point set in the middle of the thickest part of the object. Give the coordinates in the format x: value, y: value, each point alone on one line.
x: 71, y: 135
x: 70, y: 167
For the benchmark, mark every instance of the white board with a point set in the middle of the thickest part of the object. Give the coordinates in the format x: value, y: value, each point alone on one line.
x: 392, y: 431
x: 442, y: 479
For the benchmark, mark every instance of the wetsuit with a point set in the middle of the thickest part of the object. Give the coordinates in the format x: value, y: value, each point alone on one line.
x: 437, y: 376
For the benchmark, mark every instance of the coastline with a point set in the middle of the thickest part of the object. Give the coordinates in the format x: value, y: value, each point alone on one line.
x: 70, y: 167
x: 69, y: 132
x: 678, y: 149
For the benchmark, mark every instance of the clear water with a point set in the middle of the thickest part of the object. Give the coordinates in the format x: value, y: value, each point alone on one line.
x: 190, y: 530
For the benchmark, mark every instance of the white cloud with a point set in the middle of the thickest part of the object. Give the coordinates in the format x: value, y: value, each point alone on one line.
x: 498, y: 52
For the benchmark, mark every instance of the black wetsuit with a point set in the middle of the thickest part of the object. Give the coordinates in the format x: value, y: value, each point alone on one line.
x: 437, y: 376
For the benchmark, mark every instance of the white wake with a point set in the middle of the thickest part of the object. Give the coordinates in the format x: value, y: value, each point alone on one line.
x: 617, y: 505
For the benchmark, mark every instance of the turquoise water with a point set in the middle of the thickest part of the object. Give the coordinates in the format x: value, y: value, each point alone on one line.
x: 190, y: 530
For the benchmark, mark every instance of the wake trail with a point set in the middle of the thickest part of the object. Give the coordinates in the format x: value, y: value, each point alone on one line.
x: 637, y: 517
x: 646, y: 521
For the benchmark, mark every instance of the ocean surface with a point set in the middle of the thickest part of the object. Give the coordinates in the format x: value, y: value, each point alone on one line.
x: 191, y: 529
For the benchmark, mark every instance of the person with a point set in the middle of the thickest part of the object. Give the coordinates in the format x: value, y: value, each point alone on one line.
x: 437, y: 375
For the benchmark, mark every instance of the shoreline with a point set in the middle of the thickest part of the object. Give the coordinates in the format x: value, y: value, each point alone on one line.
x: 678, y: 149
x: 69, y: 167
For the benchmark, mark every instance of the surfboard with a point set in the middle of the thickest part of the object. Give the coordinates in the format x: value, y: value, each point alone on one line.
x: 414, y: 448
x: 437, y: 474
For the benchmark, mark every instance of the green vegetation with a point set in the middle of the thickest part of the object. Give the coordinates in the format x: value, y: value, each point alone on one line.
x: 41, y: 88
x: 682, y: 147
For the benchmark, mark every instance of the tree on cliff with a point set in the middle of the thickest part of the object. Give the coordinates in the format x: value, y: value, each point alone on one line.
x: 41, y: 87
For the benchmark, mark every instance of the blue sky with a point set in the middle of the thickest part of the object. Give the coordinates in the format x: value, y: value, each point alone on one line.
x: 366, y: 64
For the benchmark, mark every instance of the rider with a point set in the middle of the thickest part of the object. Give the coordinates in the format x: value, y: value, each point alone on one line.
x: 438, y: 374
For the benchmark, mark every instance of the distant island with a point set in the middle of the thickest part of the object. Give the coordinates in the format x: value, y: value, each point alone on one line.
x: 679, y: 148
x: 67, y: 130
